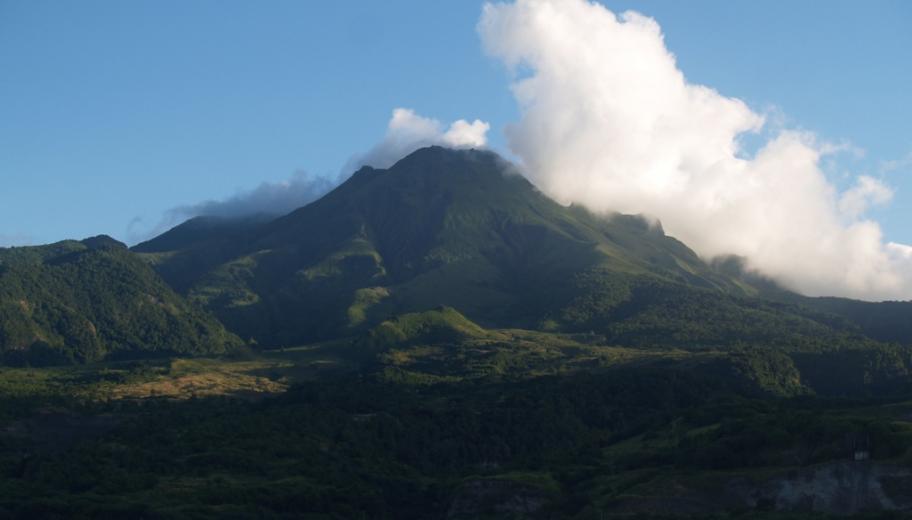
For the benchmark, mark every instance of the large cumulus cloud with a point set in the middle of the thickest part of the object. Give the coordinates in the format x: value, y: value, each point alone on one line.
x: 609, y: 121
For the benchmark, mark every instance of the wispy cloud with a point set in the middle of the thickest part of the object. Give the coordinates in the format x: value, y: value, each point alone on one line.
x: 271, y: 198
x: 896, y: 165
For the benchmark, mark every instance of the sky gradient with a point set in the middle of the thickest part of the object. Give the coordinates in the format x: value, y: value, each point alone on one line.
x: 112, y: 113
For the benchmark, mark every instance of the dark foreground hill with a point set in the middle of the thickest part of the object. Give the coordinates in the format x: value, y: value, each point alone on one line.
x: 84, y: 301
x: 450, y: 421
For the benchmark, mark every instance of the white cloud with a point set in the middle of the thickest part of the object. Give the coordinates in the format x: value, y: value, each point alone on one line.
x: 463, y: 134
x: 867, y: 192
x: 408, y: 131
x: 901, y: 250
x: 609, y: 121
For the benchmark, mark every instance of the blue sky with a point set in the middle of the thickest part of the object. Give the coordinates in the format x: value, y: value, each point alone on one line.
x: 113, y: 110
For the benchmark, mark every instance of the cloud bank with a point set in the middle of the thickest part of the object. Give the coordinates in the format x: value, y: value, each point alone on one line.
x: 609, y: 121
x: 408, y: 131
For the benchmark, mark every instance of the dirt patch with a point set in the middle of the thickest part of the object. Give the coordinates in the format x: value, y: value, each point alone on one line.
x: 204, y: 384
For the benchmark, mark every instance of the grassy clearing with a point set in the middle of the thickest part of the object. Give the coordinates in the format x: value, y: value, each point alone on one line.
x: 175, y: 378
x: 203, y: 378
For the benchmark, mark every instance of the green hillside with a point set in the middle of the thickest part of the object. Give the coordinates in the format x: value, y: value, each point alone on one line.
x: 441, y: 227
x: 444, y: 324
x: 888, y: 321
x: 84, y: 301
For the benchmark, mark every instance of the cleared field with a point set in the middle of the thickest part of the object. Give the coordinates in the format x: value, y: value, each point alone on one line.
x: 176, y: 378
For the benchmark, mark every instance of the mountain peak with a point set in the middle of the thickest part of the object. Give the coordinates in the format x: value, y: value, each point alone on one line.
x: 440, y: 157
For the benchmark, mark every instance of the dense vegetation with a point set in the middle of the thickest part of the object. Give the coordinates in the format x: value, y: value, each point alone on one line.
x: 586, y: 445
x: 84, y: 301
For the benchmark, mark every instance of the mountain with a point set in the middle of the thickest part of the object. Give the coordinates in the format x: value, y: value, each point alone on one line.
x: 91, y: 300
x: 460, y: 228
x: 440, y: 227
